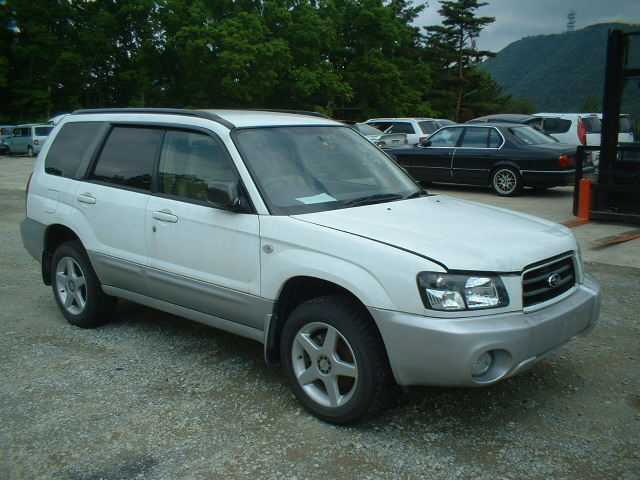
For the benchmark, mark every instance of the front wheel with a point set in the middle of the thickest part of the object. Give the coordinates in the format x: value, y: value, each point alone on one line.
x: 77, y: 289
x: 30, y: 151
x: 334, y: 360
x: 506, y: 182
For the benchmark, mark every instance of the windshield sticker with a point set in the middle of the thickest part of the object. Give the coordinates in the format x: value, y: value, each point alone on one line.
x: 323, y: 197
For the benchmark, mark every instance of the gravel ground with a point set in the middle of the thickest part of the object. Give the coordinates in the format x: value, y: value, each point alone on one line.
x: 153, y: 396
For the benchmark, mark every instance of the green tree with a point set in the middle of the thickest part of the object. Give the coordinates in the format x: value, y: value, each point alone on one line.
x: 452, y: 48
x: 591, y: 104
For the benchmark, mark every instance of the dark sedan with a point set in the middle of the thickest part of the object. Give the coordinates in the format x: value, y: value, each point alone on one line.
x: 506, y: 157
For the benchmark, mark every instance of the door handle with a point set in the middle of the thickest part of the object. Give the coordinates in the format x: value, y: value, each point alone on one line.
x: 165, y: 216
x: 86, y: 198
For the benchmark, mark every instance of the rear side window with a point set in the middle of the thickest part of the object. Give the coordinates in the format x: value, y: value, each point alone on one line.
x: 43, y: 131
x: 429, y: 127
x: 591, y: 124
x: 68, y: 148
x: 128, y: 157
x: 625, y: 125
x: 556, y: 125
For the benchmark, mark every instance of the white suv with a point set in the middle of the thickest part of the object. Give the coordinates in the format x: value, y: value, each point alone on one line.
x: 416, y: 129
x: 295, y: 231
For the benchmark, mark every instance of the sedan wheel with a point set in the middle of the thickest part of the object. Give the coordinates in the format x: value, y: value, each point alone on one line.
x: 506, y: 182
x: 334, y: 360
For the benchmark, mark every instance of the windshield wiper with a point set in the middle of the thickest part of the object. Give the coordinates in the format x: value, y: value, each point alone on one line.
x: 418, y: 194
x: 371, y: 199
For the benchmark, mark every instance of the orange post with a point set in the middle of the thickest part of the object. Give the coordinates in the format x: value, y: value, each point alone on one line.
x: 584, y: 204
x: 584, y: 199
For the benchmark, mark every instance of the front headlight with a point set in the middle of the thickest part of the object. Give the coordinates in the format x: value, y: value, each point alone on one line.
x: 451, y: 292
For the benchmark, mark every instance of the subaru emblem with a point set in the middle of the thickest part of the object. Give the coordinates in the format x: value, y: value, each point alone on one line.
x: 554, y: 280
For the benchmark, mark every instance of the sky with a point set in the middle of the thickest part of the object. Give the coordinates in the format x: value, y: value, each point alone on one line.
x: 516, y: 19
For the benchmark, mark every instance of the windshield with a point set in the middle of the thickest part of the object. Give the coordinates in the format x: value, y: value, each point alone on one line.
x: 312, y: 169
x: 531, y: 136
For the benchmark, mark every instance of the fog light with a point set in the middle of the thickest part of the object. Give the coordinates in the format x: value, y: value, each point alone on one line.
x: 482, y: 364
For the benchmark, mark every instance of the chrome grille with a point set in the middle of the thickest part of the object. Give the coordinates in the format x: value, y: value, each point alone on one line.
x: 546, y: 281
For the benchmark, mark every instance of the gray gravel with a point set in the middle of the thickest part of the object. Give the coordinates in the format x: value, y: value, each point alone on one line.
x: 153, y: 396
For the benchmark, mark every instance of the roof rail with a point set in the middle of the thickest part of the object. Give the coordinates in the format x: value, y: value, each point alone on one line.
x: 161, y: 111
x: 297, y: 112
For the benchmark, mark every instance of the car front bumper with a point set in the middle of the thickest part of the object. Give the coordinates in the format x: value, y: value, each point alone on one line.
x: 441, y: 352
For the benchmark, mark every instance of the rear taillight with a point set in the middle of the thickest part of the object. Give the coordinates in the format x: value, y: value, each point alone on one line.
x: 565, y: 161
x: 36, y: 142
x: 421, y: 139
x: 582, y: 134
x: 406, y: 141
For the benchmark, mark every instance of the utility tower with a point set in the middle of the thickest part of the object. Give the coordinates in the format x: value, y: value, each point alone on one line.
x: 571, y: 20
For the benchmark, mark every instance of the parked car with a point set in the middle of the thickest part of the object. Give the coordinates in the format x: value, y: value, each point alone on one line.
x: 625, y: 132
x: 509, y: 118
x: 505, y: 156
x: 295, y: 231
x: 378, y: 138
x: 572, y: 128
x: 5, y: 132
x: 416, y: 129
x: 28, y: 139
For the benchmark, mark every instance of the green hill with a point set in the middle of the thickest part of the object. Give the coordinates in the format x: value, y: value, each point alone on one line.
x: 560, y: 72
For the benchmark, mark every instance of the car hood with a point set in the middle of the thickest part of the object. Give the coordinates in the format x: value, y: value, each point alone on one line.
x: 457, y: 234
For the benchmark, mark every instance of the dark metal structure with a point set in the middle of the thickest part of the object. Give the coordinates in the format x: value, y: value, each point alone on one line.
x: 616, y: 191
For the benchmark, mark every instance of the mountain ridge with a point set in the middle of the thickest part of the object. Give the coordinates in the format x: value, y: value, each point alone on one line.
x: 561, y: 72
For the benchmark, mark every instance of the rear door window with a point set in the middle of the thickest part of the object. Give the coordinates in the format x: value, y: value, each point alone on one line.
x: 475, y: 138
x: 128, y: 157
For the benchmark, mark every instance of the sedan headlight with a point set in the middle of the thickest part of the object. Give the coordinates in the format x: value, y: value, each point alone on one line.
x: 452, y: 291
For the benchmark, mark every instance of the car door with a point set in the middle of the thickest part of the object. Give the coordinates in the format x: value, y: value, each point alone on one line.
x: 474, y: 158
x: 431, y: 163
x: 111, y: 204
x: 18, y: 142
x: 201, y: 257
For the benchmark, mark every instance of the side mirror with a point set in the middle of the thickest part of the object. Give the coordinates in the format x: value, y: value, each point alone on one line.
x: 224, y: 194
x: 425, y: 143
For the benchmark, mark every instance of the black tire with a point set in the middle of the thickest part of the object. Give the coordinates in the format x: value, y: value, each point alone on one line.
x: 506, y: 182
x: 77, y: 289
x: 343, y: 381
x: 30, y: 151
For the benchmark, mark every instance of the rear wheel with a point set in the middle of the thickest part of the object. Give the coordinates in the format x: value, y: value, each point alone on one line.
x: 77, y: 289
x: 30, y: 151
x: 506, y: 182
x: 334, y: 360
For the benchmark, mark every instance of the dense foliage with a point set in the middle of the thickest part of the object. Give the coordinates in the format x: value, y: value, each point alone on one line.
x: 562, y: 72
x: 348, y: 58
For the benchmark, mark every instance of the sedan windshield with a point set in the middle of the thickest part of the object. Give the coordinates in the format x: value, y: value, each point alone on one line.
x: 531, y: 136
x: 316, y: 168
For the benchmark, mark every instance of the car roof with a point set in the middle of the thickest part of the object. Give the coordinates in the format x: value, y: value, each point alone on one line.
x: 392, y: 119
x: 228, y: 117
x: 503, y: 117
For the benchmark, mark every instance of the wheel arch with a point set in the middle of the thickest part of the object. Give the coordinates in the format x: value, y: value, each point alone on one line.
x: 295, y: 292
x: 503, y: 163
x: 55, y: 236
